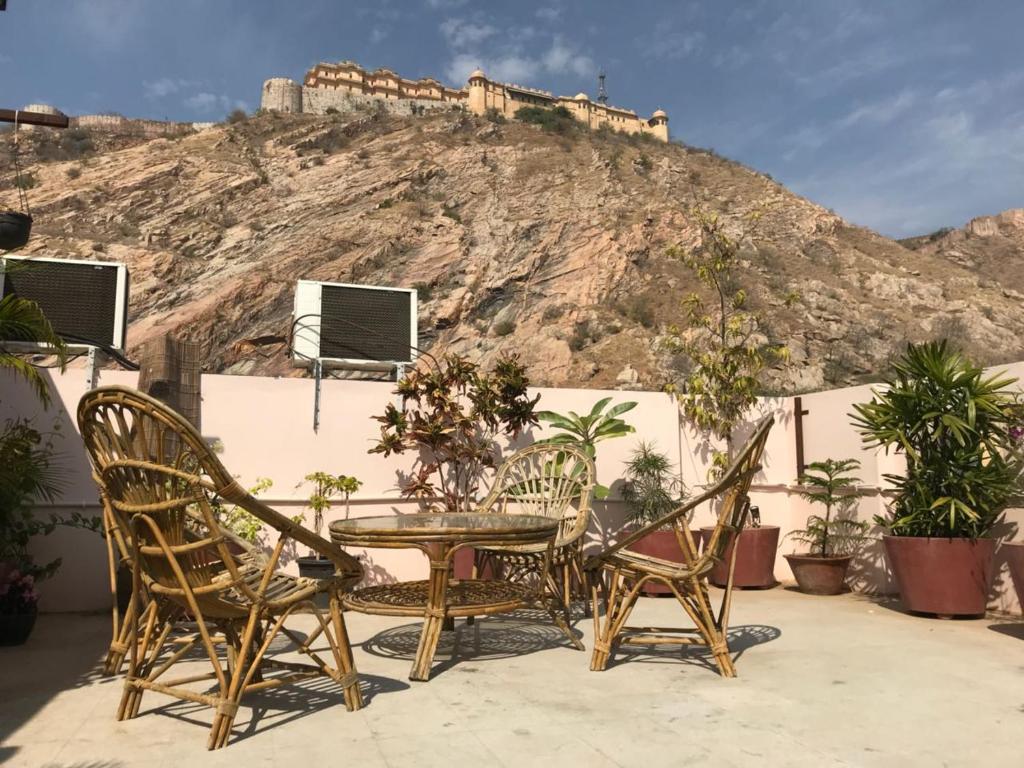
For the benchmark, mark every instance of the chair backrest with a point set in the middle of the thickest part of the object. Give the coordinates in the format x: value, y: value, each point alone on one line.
x: 734, y: 488
x: 155, y: 473
x: 553, y: 481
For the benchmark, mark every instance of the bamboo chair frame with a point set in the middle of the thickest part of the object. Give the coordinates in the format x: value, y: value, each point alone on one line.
x: 184, y: 572
x: 544, y: 480
x: 617, y: 575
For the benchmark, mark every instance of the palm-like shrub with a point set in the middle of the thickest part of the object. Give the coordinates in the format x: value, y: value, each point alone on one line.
x: 954, y: 426
x: 651, y: 491
x: 830, y: 483
x: 23, y: 320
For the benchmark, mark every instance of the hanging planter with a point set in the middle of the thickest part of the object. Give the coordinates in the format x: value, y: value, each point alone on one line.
x: 15, y: 228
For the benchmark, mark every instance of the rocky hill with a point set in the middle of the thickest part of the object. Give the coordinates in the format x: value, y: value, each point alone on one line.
x: 548, y: 244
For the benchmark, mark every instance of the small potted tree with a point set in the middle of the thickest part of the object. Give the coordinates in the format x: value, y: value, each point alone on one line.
x: 832, y: 538
x: 726, y: 345
x: 651, y: 491
x: 952, y: 424
x: 326, y: 487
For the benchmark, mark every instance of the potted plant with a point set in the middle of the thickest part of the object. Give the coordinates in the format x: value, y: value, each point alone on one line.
x: 586, y: 432
x: 952, y: 424
x: 727, y: 349
x: 651, y: 491
x: 451, y: 416
x: 325, y: 487
x: 832, y: 538
x: 1014, y: 550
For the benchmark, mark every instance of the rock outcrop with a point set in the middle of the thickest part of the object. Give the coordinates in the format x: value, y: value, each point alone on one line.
x: 550, y: 246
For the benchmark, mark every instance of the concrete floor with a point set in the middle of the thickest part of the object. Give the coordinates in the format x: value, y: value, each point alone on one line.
x: 823, y: 681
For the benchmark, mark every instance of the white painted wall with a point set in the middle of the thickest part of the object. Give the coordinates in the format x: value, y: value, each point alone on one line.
x: 265, y: 426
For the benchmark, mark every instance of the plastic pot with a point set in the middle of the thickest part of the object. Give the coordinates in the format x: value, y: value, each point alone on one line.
x: 15, y: 227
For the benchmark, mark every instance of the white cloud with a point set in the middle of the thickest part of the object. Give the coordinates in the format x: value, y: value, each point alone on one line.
x: 511, y: 67
x: 165, y: 86
x: 108, y: 24
x: 561, y: 57
x: 377, y: 34
x: 879, y: 112
x: 667, y: 43
x: 549, y: 14
x: 207, y: 103
x: 462, y: 34
x: 441, y: 5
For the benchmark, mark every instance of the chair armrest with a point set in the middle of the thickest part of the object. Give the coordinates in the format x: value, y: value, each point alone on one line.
x: 344, y: 563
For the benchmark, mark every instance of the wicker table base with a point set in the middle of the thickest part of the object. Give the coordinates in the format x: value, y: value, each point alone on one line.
x: 441, y: 598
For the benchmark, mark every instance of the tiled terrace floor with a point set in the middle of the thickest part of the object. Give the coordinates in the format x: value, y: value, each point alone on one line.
x: 823, y: 681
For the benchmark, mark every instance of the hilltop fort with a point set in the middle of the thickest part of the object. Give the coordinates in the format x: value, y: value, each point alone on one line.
x: 346, y: 85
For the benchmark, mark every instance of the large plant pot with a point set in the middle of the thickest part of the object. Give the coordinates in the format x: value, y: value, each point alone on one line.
x: 755, y: 558
x: 316, y: 568
x: 15, y: 628
x: 15, y: 228
x: 663, y: 545
x: 1015, y: 559
x: 818, y: 575
x: 946, y: 577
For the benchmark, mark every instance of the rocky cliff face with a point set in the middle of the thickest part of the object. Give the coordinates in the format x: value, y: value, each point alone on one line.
x: 551, y: 246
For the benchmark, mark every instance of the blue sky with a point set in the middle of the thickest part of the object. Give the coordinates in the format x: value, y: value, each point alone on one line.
x: 902, y: 116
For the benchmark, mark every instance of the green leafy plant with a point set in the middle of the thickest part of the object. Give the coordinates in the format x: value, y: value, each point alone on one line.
x: 451, y: 415
x: 30, y: 473
x: 555, y: 120
x: 831, y: 483
x: 586, y: 431
x: 954, y: 425
x: 651, y: 490
x: 325, y: 488
x: 240, y: 522
x: 723, y: 338
x: 23, y: 320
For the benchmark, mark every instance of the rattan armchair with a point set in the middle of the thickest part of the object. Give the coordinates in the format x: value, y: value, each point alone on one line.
x: 156, y: 475
x: 554, y: 481
x: 618, y: 574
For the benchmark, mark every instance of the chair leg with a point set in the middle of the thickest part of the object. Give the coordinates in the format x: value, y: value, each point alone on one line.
x: 227, y: 705
x: 139, y: 642
x: 715, y: 635
x: 346, y: 665
x: 619, y: 604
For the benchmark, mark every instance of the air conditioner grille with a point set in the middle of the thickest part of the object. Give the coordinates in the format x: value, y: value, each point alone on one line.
x: 385, y: 315
x: 76, y: 298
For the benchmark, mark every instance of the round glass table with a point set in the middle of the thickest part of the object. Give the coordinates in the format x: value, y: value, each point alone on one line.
x: 441, y: 597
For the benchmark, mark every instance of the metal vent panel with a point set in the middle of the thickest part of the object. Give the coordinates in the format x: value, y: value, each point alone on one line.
x: 365, y: 324
x: 77, y: 298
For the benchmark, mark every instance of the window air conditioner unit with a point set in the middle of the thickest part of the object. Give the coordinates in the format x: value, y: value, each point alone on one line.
x: 86, y: 302
x: 361, y: 327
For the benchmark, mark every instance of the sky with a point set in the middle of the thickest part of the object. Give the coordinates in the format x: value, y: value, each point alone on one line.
x: 902, y: 116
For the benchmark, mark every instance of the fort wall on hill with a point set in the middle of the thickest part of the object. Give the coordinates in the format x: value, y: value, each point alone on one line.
x: 346, y: 86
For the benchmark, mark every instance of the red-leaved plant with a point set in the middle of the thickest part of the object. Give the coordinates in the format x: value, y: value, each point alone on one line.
x: 452, y: 415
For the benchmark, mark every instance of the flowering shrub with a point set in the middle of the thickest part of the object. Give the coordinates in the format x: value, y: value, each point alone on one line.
x: 18, y: 593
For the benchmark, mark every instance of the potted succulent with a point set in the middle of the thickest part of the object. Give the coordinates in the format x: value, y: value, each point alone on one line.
x: 953, y: 425
x: 832, y: 538
x: 325, y: 488
x: 19, y: 604
x: 651, y: 491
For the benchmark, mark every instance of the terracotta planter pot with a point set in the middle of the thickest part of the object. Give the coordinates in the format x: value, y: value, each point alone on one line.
x: 663, y: 545
x: 818, y: 575
x: 1014, y: 551
x: 755, y: 558
x: 946, y: 577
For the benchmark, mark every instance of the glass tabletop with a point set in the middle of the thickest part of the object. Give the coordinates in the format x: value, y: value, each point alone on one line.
x: 444, y: 522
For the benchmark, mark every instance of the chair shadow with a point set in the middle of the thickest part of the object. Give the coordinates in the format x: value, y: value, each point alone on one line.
x: 1009, y: 628
x: 741, y: 639
x: 272, y: 709
x: 517, y: 633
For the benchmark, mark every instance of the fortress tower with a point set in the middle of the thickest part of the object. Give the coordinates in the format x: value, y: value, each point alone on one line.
x: 281, y: 94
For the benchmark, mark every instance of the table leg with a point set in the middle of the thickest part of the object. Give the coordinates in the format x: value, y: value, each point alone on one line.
x: 434, y: 616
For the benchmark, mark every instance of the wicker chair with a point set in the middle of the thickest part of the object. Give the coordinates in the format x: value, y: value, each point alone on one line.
x: 618, y: 575
x: 552, y: 481
x: 181, y: 558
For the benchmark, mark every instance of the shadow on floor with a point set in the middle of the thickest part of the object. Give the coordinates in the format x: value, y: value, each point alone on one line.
x: 1009, y: 628
x: 494, y: 637
x: 271, y: 709
x: 741, y: 639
